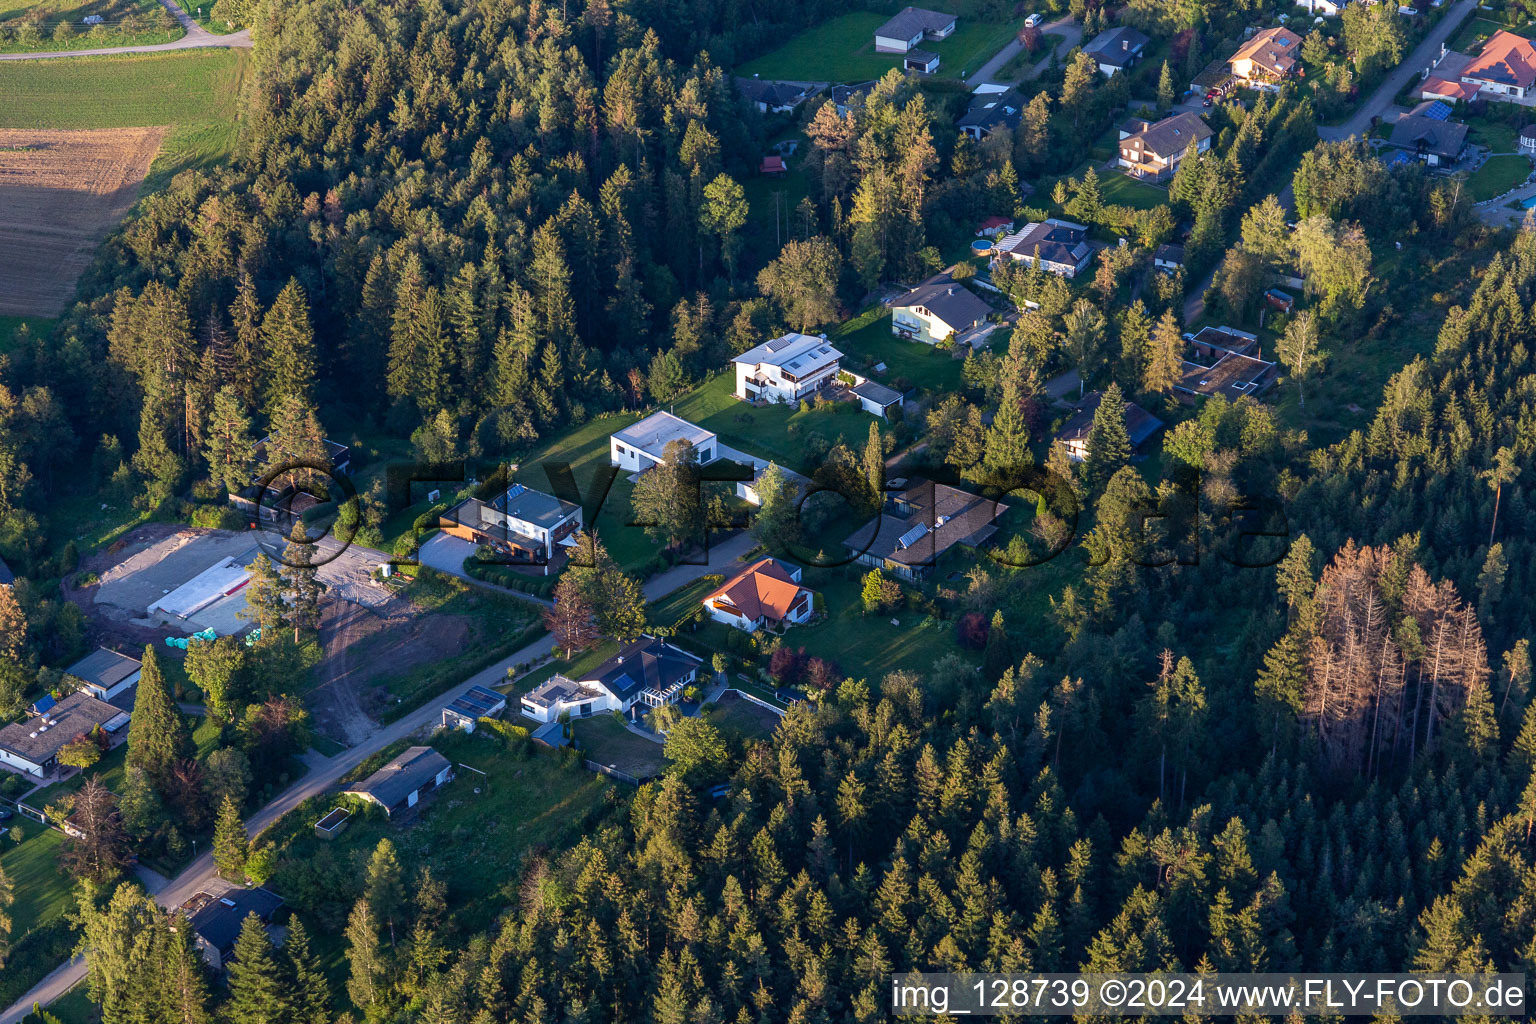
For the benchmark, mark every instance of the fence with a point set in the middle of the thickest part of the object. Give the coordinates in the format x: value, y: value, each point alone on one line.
x: 612, y: 772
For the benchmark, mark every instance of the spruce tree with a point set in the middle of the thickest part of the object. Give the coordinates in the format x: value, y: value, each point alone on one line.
x: 309, y: 997
x: 385, y: 886
x: 874, y: 465
x: 158, y: 736
x: 1164, y: 363
x: 303, y: 580
x: 257, y: 989
x: 265, y: 603
x: 288, y: 342
x: 998, y: 656
x: 366, y: 957
x: 231, y: 843
x: 183, y: 980
x: 1109, y: 443
x: 228, y: 448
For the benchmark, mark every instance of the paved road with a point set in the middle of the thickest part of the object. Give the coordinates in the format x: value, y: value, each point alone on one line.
x: 197, y: 38
x: 1070, y: 31
x: 325, y: 772
x: 1422, y: 57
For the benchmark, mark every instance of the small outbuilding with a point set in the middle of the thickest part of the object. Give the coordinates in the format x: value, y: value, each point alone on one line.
x: 1527, y: 144
x: 473, y: 704
x: 106, y: 674
x: 402, y: 782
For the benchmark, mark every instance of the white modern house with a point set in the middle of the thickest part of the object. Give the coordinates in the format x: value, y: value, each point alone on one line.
x: 520, y: 521
x: 786, y: 369
x: 646, y: 674
x: 642, y: 445
x: 105, y: 674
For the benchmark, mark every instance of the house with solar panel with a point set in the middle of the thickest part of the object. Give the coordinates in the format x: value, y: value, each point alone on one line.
x: 646, y: 674
x: 469, y: 707
x: 526, y: 524
x: 32, y: 747
x: 921, y: 522
x: 786, y: 369
x: 1429, y: 136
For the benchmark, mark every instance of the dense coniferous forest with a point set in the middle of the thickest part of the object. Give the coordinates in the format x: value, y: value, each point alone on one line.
x: 478, y: 224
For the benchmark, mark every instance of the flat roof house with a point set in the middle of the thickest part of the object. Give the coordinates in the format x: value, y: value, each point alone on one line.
x: 875, y: 398
x: 646, y: 674
x: 1323, y: 8
x: 990, y: 111
x: 920, y: 523
x: 1155, y: 152
x: 914, y: 24
x: 936, y: 309
x: 216, y: 920
x: 403, y: 781
x: 786, y: 369
x: 105, y: 674
x: 1506, y: 67
x: 1435, y: 142
x: 642, y: 445
x: 520, y: 521
x: 1062, y: 246
x: 1139, y: 424
x: 473, y: 704
x: 1116, y: 49
x: 32, y: 747
x: 1267, y: 59
x: 765, y: 595
x: 1224, y: 361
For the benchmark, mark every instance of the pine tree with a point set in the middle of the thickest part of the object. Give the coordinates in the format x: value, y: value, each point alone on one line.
x: 228, y: 448
x: 365, y: 955
x: 1006, y: 446
x: 158, y: 736
x: 265, y: 604
x: 289, y: 348
x: 1109, y: 443
x: 385, y: 886
x: 184, y: 980
x: 1164, y: 362
x: 246, y: 349
x: 257, y: 989
x: 309, y: 996
x: 1165, y: 90
x: 231, y: 843
x: 303, y: 581
x: 998, y: 656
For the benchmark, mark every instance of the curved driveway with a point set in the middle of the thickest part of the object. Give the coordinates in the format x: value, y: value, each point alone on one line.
x: 197, y: 38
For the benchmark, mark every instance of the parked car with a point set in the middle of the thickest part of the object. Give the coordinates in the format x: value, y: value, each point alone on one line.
x: 1033, y: 20
x: 6, y: 814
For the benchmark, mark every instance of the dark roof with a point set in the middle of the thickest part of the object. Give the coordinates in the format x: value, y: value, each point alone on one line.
x: 913, y: 20
x: 530, y: 506
x: 218, y: 921
x: 947, y: 299
x: 40, y: 739
x: 1229, y: 338
x: 842, y: 95
x: 104, y: 668
x: 1139, y: 423
x: 1169, y: 253
x: 1059, y: 241
x: 1435, y: 110
x: 989, y: 110
x: 877, y: 393
x: 477, y: 702
x: 930, y: 519
x: 1425, y: 134
x: 646, y: 664
x: 774, y: 94
x: 1120, y: 42
x: 6, y: 576
x: 334, y: 450
x: 920, y: 56
x: 402, y: 776
x: 1172, y: 135
x: 1528, y: 132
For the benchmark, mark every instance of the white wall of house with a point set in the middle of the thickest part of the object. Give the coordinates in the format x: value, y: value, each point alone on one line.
x: 20, y: 763
x: 630, y: 458
x: 919, y: 323
x: 1496, y: 87
x: 891, y: 44
x: 595, y: 704
x: 774, y: 387
x: 108, y: 692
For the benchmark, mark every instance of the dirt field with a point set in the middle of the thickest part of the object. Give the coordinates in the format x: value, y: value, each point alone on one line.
x: 61, y: 192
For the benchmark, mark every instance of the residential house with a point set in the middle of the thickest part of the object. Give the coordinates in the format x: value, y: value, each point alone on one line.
x: 216, y: 921
x: 105, y: 674
x: 844, y: 97
x: 648, y: 673
x: 1323, y: 8
x: 1061, y: 245
x: 774, y: 97
x: 993, y: 226
x: 937, y: 309
x: 1267, y: 59
x: 526, y: 524
x: 748, y: 490
x: 1156, y: 151
x: 1435, y: 142
x: 7, y: 578
x: 475, y: 703
x: 1224, y: 361
x: 1168, y: 257
x: 765, y: 595
x: 32, y: 747
x: 924, y: 62
x: 1133, y: 126
x: 772, y: 166
x: 1116, y: 49
x: 642, y: 445
x: 906, y: 30
x: 1504, y: 68
x: 1139, y: 424
x: 402, y: 782
x: 786, y: 369
x: 279, y: 490
x: 919, y: 524
x: 991, y: 108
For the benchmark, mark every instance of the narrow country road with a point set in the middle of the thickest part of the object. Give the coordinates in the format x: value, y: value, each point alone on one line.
x: 326, y: 772
x: 1422, y: 57
x: 197, y: 38
x: 1070, y: 31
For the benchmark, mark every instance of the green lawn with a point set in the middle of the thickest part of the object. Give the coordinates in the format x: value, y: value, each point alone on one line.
x: 111, y: 769
x: 43, y: 892
x: 867, y: 340
x: 1123, y: 190
x: 775, y: 432
x: 1472, y: 35
x: 668, y: 610
x: 868, y: 646
x: 604, y: 739
x: 37, y: 326
x: 1497, y: 135
x: 741, y: 719
x: 194, y: 92
x: 75, y: 1007
x: 1497, y: 176
x: 28, y: 26
x: 574, y: 668
x: 842, y: 49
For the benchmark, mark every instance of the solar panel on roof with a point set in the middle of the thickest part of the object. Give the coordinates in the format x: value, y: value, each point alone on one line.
x: 912, y: 536
x: 515, y: 491
x: 1436, y: 111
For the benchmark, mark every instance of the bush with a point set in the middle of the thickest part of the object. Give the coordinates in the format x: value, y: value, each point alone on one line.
x: 514, y: 737
x: 216, y: 517
x: 972, y: 629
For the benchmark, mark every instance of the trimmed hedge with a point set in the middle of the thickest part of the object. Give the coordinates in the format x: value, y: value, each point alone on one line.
x: 502, y: 576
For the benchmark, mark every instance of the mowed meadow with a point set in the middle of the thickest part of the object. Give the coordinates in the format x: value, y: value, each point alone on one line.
x: 81, y: 139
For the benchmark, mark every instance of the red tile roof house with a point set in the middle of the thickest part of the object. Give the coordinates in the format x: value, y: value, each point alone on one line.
x: 994, y: 226
x: 773, y: 166
x: 1505, y: 67
x: 765, y: 595
x: 1267, y: 59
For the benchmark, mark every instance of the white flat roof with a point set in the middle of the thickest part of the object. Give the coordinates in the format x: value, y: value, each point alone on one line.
x: 652, y: 434
x: 212, y: 584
